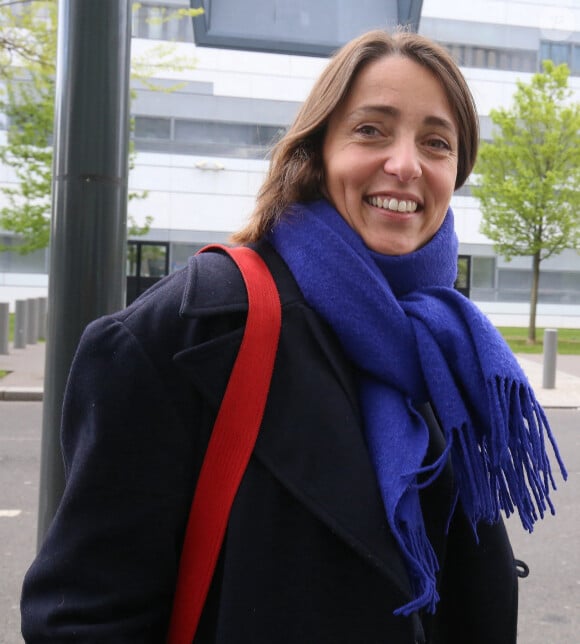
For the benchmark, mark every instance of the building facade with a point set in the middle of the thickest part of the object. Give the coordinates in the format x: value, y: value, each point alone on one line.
x: 202, y: 147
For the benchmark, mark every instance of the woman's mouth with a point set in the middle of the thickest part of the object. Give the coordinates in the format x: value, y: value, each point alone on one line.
x: 395, y: 205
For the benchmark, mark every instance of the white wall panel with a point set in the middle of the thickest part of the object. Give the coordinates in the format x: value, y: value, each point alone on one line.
x: 468, y: 220
x: 197, y: 175
x: 549, y: 15
x: 210, y: 212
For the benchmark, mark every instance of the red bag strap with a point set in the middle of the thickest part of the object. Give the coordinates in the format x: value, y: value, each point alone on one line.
x: 231, y: 443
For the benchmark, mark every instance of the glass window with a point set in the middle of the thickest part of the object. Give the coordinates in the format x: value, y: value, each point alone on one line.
x: 147, y: 127
x: 468, y: 56
x: 211, y: 132
x: 139, y: 26
x: 513, y: 285
x: 483, y: 272
x: 479, y: 57
x: 226, y: 136
x: 455, y: 51
x: 493, y: 58
x: 576, y: 59
x: 180, y: 254
x: 462, y: 281
x: 155, y: 24
x: 504, y: 60
x: 132, y: 259
x: 529, y: 62
x: 158, y: 22
x: 559, y: 287
x: 14, y: 262
x: 561, y: 53
x: 514, y: 279
x: 153, y: 260
x: 147, y: 259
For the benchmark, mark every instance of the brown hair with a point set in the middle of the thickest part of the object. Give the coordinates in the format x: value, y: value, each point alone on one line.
x: 296, y: 168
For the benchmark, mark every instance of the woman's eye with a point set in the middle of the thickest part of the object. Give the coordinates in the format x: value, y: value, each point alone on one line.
x: 367, y: 130
x: 439, y: 144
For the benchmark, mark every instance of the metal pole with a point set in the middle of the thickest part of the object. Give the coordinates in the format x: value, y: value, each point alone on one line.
x: 89, y: 209
x: 550, y: 353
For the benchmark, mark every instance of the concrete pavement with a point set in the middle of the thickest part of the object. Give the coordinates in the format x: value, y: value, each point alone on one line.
x: 26, y: 378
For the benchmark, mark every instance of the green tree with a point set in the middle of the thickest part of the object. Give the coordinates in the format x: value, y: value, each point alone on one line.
x: 27, y: 65
x: 528, y: 176
x: 17, y: 21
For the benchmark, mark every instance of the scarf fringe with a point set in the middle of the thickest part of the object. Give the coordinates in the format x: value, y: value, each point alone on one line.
x: 423, y: 567
x: 502, y: 468
x: 506, y: 467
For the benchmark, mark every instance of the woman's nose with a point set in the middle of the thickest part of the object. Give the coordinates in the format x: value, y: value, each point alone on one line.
x: 402, y: 160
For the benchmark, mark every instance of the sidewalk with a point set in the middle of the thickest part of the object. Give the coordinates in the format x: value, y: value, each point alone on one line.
x: 26, y: 378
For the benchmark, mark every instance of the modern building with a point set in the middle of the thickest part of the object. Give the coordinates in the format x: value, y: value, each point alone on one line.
x: 202, y: 147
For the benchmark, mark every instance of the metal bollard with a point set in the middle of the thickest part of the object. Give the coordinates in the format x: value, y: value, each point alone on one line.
x: 4, y: 326
x: 42, y: 303
x: 31, y: 322
x: 20, y: 324
x: 550, y: 353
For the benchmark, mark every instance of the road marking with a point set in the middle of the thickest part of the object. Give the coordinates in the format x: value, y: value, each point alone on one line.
x: 10, y: 513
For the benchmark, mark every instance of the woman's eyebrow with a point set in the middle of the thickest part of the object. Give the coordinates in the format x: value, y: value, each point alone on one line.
x: 371, y: 110
x: 390, y: 111
x: 440, y: 122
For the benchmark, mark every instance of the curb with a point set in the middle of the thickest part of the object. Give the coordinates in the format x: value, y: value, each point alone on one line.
x: 22, y: 393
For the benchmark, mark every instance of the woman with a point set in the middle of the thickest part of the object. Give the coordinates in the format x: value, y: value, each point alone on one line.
x: 397, y: 427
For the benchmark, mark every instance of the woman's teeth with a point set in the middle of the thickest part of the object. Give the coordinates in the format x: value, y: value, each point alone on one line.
x: 403, y: 205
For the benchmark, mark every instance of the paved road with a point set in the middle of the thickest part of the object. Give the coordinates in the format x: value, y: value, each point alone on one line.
x: 549, y: 598
x: 20, y: 430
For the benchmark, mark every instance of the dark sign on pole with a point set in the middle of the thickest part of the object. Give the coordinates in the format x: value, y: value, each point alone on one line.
x: 299, y: 27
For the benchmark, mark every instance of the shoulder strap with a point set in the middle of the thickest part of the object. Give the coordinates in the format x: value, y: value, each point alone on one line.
x: 230, y: 447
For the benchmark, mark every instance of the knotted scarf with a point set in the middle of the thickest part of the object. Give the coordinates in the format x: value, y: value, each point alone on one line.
x: 413, y: 338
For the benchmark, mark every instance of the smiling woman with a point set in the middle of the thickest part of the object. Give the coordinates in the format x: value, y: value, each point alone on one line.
x: 390, y: 156
x: 297, y: 168
x: 398, y: 424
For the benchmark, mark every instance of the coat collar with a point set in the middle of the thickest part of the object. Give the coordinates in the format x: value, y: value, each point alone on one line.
x: 215, y: 287
x: 317, y: 451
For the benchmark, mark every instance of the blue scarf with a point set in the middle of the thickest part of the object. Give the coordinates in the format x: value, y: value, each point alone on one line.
x: 413, y: 338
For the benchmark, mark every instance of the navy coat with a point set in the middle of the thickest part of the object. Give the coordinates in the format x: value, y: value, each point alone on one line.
x: 308, y: 556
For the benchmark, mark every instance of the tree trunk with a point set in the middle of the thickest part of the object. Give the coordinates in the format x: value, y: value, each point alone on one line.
x: 534, y: 297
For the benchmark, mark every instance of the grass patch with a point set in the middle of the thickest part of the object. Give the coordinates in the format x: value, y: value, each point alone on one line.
x: 516, y: 337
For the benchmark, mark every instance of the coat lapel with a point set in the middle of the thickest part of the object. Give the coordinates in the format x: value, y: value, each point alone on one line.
x: 311, y: 438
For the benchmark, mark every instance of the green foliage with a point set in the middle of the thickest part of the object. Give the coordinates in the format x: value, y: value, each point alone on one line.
x: 162, y: 55
x: 528, y: 176
x: 27, y: 65
x: 29, y: 107
x: 18, y: 20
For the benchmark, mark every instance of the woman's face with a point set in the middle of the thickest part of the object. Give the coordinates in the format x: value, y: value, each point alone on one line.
x: 390, y: 156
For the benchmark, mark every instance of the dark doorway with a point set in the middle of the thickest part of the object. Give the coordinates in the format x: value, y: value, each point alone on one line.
x: 147, y: 263
x: 463, y: 281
